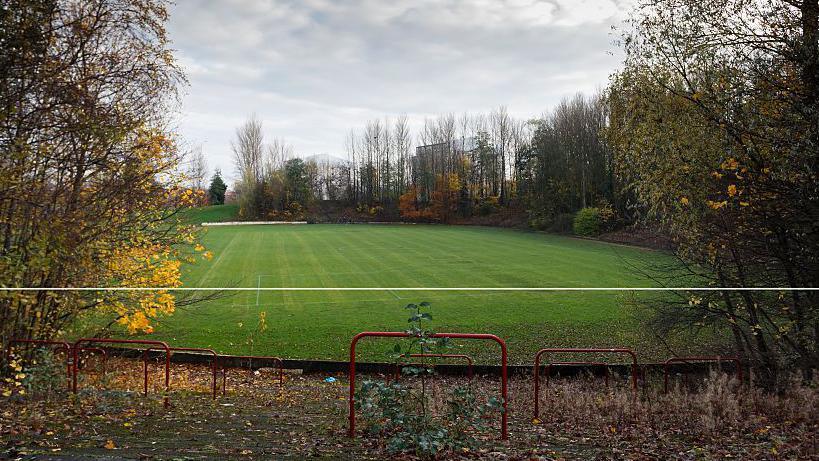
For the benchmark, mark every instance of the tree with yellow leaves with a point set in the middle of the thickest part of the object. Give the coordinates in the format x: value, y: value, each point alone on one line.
x: 715, y: 127
x: 88, y: 184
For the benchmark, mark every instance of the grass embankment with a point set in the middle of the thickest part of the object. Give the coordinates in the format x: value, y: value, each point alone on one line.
x: 213, y: 213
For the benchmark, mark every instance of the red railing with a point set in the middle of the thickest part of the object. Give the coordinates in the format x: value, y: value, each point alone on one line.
x: 160, y: 344
x: 700, y: 358
x: 591, y: 364
x: 213, y: 363
x: 250, y: 358
x: 581, y: 351
x: 65, y: 346
x: 103, y: 356
x: 470, y: 365
x: 401, y: 334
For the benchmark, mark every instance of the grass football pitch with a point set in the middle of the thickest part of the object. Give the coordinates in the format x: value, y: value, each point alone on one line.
x: 319, y: 324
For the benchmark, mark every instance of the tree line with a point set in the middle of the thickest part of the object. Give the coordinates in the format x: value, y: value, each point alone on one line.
x: 270, y: 179
x: 452, y: 168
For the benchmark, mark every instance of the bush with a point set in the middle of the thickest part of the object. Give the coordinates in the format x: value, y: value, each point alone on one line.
x: 42, y: 374
x: 563, y: 223
x: 487, y: 206
x: 406, y: 418
x: 588, y: 222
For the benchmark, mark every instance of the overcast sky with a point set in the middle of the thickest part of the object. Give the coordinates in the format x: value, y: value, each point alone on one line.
x: 314, y: 69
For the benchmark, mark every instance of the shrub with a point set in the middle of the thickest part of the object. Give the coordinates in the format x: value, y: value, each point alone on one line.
x: 588, y: 222
x: 563, y: 223
x: 486, y: 208
x: 42, y: 374
x: 406, y: 417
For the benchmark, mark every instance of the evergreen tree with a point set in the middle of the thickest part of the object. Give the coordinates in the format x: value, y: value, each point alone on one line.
x: 216, y: 192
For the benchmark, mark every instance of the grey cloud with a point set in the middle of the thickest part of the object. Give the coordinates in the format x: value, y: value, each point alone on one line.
x: 313, y: 69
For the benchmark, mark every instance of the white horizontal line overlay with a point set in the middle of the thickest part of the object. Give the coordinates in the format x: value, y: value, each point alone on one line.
x: 408, y: 289
x: 252, y: 223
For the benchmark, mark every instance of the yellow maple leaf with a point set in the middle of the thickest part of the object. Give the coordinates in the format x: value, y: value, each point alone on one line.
x: 109, y: 445
x: 730, y: 164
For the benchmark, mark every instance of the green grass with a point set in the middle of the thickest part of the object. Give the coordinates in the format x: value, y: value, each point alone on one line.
x: 213, y: 213
x: 319, y: 325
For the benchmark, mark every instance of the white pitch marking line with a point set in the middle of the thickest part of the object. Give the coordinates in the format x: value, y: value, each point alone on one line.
x: 408, y: 288
x: 258, y: 291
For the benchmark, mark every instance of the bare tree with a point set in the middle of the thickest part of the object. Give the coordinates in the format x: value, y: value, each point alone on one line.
x: 197, y: 168
x: 248, y: 151
x: 402, y: 139
x: 278, y: 153
x: 501, y: 135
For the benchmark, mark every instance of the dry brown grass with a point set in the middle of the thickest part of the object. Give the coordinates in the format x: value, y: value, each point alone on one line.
x: 714, y: 418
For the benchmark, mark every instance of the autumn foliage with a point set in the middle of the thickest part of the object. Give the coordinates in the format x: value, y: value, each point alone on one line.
x: 713, y: 122
x: 88, y: 170
x: 441, y: 206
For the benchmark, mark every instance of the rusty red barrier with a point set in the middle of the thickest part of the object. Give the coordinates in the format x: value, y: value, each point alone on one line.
x: 594, y: 364
x: 102, y: 353
x: 250, y: 358
x: 213, y: 363
x: 700, y: 358
x: 161, y: 344
x: 401, y: 334
x: 66, y: 347
x: 582, y: 351
x: 470, y: 365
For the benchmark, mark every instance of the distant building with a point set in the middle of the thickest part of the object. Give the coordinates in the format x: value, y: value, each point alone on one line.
x: 429, y: 156
x: 437, y: 150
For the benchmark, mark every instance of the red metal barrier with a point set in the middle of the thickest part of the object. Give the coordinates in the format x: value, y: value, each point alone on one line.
x: 583, y: 351
x: 595, y: 364
x: 66, y: 347
x: 250, y: 358
x: 102, y: 353
x: 401, y: 334
x: 700, y: 358
x: 161, y: 344
x: 213, y: 363
x: 470, y: 369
